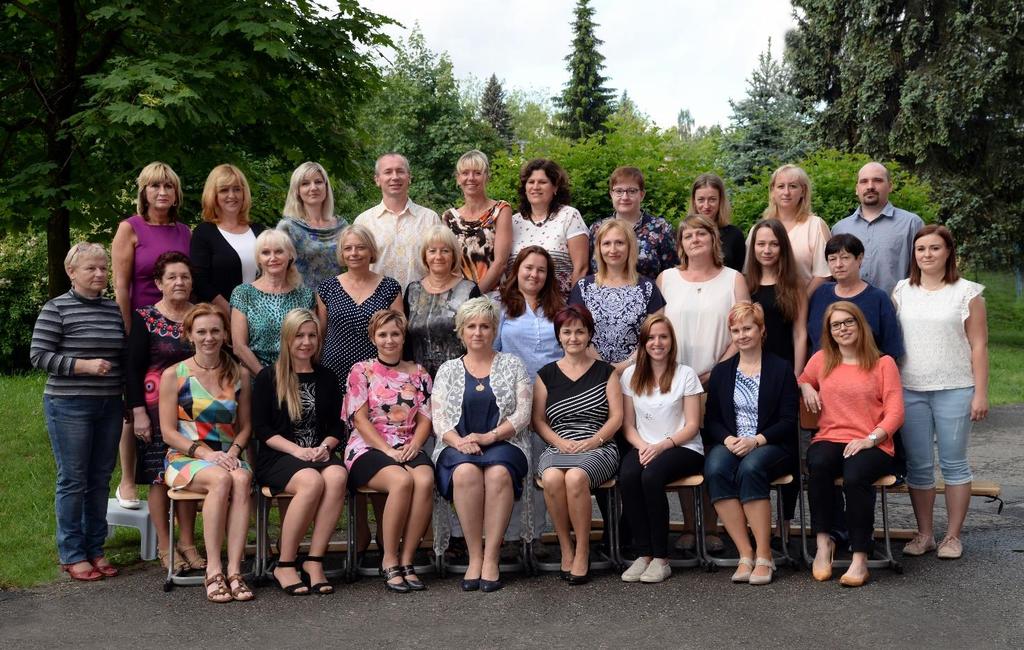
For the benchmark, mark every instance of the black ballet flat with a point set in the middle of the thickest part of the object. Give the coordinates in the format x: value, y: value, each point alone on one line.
x: 487, y: 586
x: 415, y: 585
x: 563, y: 575
x: 470, y: 585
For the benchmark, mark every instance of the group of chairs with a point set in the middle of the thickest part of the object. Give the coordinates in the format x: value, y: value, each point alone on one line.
x: 528, y: 561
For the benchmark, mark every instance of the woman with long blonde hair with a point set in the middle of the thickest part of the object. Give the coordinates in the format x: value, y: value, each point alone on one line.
x: 297, y: 419
x: 309, y: 220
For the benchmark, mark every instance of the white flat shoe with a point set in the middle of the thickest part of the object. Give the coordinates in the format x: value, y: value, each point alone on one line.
x: 635, y: 570
x: 127, y: 504
x: 743, y: 569
x: 763, y: 580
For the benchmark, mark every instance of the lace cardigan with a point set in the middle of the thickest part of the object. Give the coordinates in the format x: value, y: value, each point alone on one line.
x: 514, y: 394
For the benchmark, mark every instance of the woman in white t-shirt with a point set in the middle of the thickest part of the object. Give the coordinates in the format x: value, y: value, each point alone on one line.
x: 546, y: 219
x: 945, y: 382
x: 661, y: 420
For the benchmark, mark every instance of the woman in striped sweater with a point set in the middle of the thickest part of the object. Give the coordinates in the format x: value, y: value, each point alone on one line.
x: 79, y: 340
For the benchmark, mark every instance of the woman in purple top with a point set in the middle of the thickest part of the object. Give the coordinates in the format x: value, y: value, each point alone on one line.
x: 139, y: 240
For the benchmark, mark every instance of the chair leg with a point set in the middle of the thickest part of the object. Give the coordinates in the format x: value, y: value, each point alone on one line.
x: 808, y: 560
x: 169, y: 583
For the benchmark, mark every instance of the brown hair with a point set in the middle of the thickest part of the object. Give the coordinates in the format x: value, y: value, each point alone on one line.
x: 788, y: 291
x: 699, y: 221
x: 382, y: 318
x: 168, y: 258
x: 952, y: 274
x: 714, y: 181
x: 550, y: 297
x: 642, y: 381
x: 158, y: 172
x: 229, y: 370
x: 624, y: 174
x: 867, y: 351
x: 559, y: 179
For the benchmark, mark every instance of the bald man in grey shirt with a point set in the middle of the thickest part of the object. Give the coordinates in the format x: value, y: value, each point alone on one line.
x: 886, y: 231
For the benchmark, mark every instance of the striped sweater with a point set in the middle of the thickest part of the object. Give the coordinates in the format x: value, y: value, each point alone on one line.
x: 72, y: 327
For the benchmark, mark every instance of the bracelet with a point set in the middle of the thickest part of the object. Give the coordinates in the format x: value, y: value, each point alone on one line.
x: 235, y: 444
x: 191, y: 453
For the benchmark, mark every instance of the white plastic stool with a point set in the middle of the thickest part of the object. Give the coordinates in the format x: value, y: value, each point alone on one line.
x: 118, y: 516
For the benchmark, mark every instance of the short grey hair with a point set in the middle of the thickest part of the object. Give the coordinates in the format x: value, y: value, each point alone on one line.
x: 376, y: 164
x: 84, y: 250
x: 479, y: 307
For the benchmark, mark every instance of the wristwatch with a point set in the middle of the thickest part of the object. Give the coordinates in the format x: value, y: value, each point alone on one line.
x: 874, y: 438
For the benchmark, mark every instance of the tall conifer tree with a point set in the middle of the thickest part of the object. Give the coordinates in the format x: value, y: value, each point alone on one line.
x: 586, y: 102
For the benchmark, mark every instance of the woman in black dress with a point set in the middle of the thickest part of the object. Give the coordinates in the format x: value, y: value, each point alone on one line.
x: 297, y: 419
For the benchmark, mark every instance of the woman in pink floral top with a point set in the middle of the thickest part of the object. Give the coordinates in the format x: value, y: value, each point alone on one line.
x: 387, y: 406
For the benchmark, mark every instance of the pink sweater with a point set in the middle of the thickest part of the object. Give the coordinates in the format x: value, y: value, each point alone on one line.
x: 854, y: 402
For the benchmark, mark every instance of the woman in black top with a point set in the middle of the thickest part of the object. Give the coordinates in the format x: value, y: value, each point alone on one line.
x: 297, y: 419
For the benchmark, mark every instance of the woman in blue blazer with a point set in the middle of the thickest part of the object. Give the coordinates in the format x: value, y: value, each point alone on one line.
x: 751, y: 429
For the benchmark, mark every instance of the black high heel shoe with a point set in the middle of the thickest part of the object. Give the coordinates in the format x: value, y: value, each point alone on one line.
x: 415, y: 584
x: 291, y: 590
x: 320, y: 588
x: 395, y: 572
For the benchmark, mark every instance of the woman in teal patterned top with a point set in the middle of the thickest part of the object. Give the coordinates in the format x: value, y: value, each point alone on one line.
x: 257, y: 309
x: 310, y: 222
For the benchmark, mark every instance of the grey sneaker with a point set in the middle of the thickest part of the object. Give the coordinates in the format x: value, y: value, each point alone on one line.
x: 656, y: 571
x: 920, y: 545
x: 635, y: 570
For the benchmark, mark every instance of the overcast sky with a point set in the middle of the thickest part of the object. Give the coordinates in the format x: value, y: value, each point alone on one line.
x: 669, y: 54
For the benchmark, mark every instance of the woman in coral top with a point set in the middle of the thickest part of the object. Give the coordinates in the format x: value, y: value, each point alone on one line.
x: 858, y: 393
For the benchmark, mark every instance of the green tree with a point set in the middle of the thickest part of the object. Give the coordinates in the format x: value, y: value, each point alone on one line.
x: 91, y: 90
x: 423, y: 115
x: 938, y: 86
x: 494, y: 109
x: 585, y: 103
x: 769, y: 125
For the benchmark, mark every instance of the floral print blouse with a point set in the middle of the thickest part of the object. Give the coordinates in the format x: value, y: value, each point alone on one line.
x: 392, y: 398
x: 656, y: 240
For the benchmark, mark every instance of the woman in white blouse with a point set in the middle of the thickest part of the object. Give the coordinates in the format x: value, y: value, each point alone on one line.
x: 546, y: 219
x: 945, y: 382
x: 661, y: 420
x: 481, y: 405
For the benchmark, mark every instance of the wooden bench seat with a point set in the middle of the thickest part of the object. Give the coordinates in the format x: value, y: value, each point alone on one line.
x: 986, y: 489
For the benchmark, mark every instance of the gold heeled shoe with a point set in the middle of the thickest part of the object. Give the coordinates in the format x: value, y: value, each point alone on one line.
x: 824, y: 575
x: 849, y: 581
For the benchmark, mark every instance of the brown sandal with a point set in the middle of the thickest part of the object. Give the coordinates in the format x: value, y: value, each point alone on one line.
x: 165, y: 559
x: 241, y: 590
x: 218, y: 594
x: 192, y: 558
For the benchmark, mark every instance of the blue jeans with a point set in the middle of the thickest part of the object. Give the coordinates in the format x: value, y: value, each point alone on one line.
x: 749, y: 478
x: 84, y: 432
x: 942, y: 416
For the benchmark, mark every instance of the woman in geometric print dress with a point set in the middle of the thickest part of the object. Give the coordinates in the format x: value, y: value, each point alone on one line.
x: 577, y: 408
x: 155, y: 344
x: 204, y: 418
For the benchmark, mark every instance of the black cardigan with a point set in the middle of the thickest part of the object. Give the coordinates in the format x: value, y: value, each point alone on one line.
x: 217, y: 267
x: 269, y: 419
x: 777, y: 403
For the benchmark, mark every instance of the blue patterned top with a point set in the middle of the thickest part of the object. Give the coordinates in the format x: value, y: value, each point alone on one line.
x: 745, y: 399
x: 316, y: 249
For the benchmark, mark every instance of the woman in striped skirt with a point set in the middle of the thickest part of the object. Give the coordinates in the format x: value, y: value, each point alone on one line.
x: 576, y: 410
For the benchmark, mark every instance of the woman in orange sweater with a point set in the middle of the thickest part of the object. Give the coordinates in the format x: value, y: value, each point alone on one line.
x: 858, y: 392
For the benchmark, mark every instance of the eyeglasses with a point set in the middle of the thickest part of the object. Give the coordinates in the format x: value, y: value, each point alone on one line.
x: 849, y: 323
x: 623, y: 191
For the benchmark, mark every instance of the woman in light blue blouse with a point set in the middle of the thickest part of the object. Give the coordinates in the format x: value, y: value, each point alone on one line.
x: 530, y: 298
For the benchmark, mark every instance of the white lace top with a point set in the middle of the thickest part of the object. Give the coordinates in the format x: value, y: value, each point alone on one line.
x: 513, y: 393
x: 938, y: 354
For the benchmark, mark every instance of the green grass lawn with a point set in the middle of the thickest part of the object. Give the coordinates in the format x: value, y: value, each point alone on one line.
x: 27, y: 472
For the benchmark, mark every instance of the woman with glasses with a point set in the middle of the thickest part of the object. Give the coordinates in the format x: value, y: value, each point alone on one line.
x: 858, y: 393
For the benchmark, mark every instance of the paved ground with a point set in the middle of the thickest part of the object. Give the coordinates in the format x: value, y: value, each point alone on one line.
x: 977, y: 601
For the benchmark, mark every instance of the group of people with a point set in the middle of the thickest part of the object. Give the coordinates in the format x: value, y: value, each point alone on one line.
x: 482, y: 368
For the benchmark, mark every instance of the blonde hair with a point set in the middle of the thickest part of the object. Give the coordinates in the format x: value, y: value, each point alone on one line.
x: 804, y: 209
x: 382, y: 318
x: 228, y: 369
x: 479, y: 307
x: 221, y: 176
x: 742, y: 310
x: 699, y: 221
x: 631, y: 244
x: 285, y: 379
x: 273, y: 237
x: 157, y: 172
x: 444, y: 235
x: 293, y: 205
x: 867, y: 351
x: 364, y: 235
x: 83, y: 250
x: 474, y: 159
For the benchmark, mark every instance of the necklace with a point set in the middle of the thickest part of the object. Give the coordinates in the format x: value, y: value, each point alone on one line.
x: 429, y: 282
x: 389, y: 365
x: 479, y: 382
x: 196, y: 360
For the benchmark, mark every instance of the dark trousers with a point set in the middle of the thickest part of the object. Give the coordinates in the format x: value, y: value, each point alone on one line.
x: 825, y: 463
x: 643, y: 495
